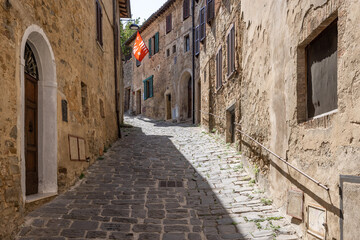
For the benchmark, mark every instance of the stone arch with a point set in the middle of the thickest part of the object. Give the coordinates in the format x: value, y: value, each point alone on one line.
x: 47, y: 110
x: 183, y: 95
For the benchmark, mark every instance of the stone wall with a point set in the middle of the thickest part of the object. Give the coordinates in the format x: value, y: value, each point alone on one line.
x: 272, y: 105
x: 215, y: 101
x: 70, y: 27
x: 171, y: 73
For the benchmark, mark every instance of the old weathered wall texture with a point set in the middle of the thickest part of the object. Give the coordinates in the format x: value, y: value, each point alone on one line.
x: 215, y: 100
x: 70, y: 27
x: 271, y: 104
x: 171, y: 73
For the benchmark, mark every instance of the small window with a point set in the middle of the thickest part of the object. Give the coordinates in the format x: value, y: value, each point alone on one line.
x: 168, y: 52
x: 219, y: 69
x: 154, y: 45
x: 210, y: 5
x: 197, y: 41
x: 231, y: 51
x: 321, y: 58
x: 187, y: 43
x: 99, y: 36
x: 138, y: 63
x: 148, y: 88
x: 202, y: 24
x: 168, y: 23
x: 186, y: 9
x: 174, y: 49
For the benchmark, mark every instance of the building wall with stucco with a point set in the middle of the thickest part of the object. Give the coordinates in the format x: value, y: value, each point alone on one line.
x: 62, y: 35
x: 171, y: 74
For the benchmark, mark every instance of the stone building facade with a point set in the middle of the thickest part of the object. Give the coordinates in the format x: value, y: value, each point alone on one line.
x: 220, y: 67
x: 297, y: 91
x: 162, y: 83
x: 59, y: 95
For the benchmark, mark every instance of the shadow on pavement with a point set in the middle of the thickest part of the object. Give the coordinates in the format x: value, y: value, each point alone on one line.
x: 144, y: 188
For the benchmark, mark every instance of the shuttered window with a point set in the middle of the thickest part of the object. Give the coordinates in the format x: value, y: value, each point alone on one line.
x: 210, y: 5
x: 154, y: 45
x: 150, y: 49
x: 148, y: 87
x: 187, y: 43
x: 202, y: 23
x: 168, y: 23
x: 99, y: 36
x: 321, y: 68
x: 186, y: 9
x: 231, y: 51
x: 219, y: 69
x: 197, y: 41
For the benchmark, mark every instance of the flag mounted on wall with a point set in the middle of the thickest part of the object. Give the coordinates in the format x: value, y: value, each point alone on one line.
x: 140, y: 50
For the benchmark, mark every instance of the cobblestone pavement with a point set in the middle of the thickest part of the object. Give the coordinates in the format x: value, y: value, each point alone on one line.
x: 162, y: 181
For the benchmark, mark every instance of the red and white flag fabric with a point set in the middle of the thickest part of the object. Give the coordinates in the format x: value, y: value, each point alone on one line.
x: 140, y: 50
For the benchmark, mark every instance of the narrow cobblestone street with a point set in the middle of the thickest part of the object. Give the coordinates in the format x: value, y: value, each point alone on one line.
x: 162, y: 181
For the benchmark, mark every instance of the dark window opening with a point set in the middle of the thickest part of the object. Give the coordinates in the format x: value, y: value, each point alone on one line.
x: 187, y: 43
x: 219, y: 69
x: 168, y: 52
x: 210, y: 6
x: 84, y: 99
x: 99, y: 36
x: 168, y: 23
x: 138, y: 63
x: 174, y: 49
x: 321, y: 56
x: 64, y: 110
x: 186, y: 9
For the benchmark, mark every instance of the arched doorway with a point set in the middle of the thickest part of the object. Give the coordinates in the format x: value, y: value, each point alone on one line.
x: 184, y: 96
x: 31, y: 123
x: 38, y: 116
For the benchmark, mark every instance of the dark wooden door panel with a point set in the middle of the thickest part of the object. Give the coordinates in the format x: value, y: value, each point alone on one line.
x: 31, y: 130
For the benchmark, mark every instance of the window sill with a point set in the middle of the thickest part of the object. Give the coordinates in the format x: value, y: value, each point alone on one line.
x: 323, y: 120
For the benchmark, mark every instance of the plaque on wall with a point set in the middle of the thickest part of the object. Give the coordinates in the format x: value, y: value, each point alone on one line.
x: 316, y: 221
x: 77, y: 148
x: 295, y: 204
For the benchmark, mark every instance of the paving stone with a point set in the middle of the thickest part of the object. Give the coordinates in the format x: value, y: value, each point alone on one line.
x: 205, y: 195
x: 96, y: 234
x: 174, y: 236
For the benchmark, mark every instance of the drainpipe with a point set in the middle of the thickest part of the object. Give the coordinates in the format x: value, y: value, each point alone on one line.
x: 116, y: 54
x: 193, y: 60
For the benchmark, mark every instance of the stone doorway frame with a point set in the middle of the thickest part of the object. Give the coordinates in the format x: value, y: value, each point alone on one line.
x: 47, y: 113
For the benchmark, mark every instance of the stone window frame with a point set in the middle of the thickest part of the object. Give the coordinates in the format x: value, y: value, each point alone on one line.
x: 301, y: 85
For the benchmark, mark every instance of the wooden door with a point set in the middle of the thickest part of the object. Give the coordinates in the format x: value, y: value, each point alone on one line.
x: 31, y: 129
x: 189, y: 99
x: 168, y: 106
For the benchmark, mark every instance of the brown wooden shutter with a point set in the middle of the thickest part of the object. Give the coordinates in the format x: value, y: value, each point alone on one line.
x: 210, y: 10
x: 233, y: 49
x: 202, y: 24
x: 186, y: 9
x: 168, y: 23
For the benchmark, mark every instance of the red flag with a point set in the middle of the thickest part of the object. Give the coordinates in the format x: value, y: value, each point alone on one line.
x: 140, y: 50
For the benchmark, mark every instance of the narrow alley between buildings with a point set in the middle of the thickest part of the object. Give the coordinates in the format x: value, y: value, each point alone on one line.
x: 162, y: 181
